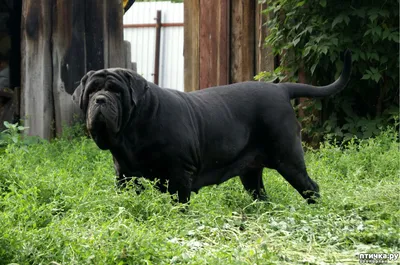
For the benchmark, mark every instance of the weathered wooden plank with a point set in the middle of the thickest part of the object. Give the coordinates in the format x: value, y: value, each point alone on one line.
x: 205, y: 43
x: 223, y: 42
x: 191, y: 45
x: 114, y: 33
x: 242, y: 40
x: 264, y: 56
x: 61, y: 41
x: 213, y: 43
x: 94, y: 34
x: 36, y: 69
x: 128, y: 54
x: 68, y: 54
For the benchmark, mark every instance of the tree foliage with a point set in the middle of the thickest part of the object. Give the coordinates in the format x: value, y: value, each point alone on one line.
x: 310, y: 35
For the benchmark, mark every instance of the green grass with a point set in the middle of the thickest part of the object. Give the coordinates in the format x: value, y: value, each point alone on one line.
x: 58, y: 205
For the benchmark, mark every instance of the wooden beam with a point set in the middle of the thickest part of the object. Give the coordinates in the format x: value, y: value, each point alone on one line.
x: 222, y: 65
x: 191, y: 45
x: 214, y: 43
x: 94, y: 34
x: 36, y: 69
x: 264, y: 56
x: 68, y: 58
x: 242, y: 40
x: 114, y: 34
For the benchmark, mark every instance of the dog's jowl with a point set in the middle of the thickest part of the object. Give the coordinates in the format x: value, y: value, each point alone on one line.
x: 200, y: 138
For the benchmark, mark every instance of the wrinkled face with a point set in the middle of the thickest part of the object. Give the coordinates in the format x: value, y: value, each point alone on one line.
x: 108, y: 99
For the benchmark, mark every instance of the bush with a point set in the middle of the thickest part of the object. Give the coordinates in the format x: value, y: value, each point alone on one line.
x: 310, y: 35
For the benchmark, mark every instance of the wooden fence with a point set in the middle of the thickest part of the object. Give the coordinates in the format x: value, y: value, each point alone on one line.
x: 224, y: 42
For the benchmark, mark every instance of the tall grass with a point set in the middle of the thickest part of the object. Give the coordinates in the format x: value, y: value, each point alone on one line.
x: 59, y: 205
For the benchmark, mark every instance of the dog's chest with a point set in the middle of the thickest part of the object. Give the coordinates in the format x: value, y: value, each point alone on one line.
x: 153, y: 161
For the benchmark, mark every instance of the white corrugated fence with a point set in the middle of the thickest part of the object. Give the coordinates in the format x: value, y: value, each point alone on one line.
x: 140, y: 31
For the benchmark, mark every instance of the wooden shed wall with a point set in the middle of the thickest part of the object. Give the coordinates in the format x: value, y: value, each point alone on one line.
x: 61, y: 41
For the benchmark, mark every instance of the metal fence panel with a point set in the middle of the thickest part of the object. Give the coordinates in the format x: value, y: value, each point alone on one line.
x: 142, y: 37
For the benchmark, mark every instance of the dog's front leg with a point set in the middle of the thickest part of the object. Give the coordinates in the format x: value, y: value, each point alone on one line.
x: 181, y: 182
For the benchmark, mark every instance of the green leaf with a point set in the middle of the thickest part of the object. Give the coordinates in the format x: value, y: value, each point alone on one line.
x: 372, y: 17
x: 367, y: 32
x: 334, y: 41
x: 318, y: 104
x: 359, y: 12
x: 301, y: 3
x: 306, y: 51
x: 376, y: 77
x: 313, y: 68
x: 377, y: 31
x: 296, y: 41
x: 385, y: 34
x: 322, y: 3
x: 346, y: 20
x: 394, y: 36
x: 374, y: 55
x: 366, y: 77
x: 336, y: 21
x: 367, y: 134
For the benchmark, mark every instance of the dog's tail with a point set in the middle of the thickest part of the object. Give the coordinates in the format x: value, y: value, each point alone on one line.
x: 296, y: 90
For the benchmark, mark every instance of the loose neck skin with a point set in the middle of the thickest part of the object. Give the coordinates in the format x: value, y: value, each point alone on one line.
x: 139, y: 120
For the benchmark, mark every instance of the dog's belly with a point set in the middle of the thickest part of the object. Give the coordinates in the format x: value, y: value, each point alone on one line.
x: 221, y: 173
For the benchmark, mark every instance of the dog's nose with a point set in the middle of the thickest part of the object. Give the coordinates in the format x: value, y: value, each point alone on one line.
x: 101, y: 100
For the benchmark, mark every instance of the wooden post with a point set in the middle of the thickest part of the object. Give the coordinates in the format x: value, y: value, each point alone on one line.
x: 214, y: 43
x: 68, y: 58
x: 128, y: 55
x: 37, y: 70
x: 264, y: 56
x: 243, y: 40
x: 191, y: 45
x: 114, y: 33
x: 157, y: 52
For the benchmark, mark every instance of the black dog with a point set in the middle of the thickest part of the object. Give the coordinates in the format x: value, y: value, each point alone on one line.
x: 200, y: 138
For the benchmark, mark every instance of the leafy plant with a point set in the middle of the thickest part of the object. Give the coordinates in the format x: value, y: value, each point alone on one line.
x: 309, y: 37
x: 11, y: 134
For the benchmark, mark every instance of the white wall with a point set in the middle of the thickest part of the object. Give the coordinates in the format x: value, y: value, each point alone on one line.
x: 143, y: 41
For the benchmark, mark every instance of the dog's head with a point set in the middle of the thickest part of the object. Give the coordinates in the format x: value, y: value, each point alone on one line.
x: 108, y: 99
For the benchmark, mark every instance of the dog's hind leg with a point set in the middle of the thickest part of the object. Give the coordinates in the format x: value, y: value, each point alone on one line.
x: 292, y: 167
x: 253, y: 183
x: 288, y: 158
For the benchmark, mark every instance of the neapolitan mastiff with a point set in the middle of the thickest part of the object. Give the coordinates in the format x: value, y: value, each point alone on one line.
x: 206, y: 137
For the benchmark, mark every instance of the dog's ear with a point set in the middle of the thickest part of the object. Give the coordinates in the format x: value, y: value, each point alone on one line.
x: 138, y: 86
x: 79, y: 93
